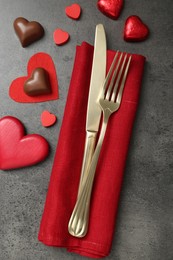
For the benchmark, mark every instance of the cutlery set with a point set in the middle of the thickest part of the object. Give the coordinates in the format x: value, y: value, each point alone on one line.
x: 105, y: 97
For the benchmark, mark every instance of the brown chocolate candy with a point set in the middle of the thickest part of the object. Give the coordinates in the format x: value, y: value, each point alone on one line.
x: 28, y: 32
x: 38, y: 83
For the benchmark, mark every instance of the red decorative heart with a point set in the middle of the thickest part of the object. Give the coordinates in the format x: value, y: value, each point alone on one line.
x: 110, y: 8
x: 60, y: 37
x: 135, y: 29
x: 17, y: 149
x: 16, y: 90
x: 73, y: 11
x: 47, y: 119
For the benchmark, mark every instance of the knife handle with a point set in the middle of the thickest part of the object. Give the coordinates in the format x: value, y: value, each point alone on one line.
x: 90, y: 142
x: 78, y: 223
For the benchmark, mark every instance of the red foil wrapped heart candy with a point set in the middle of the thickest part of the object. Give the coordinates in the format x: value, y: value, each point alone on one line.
x: 110, y: 8
x: 135, y: 29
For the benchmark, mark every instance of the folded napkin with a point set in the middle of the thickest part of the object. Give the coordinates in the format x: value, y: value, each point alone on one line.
x: 64, y: 181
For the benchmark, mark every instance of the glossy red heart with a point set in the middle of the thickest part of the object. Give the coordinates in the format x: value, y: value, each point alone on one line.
x: 135, y: 29
x: 47, y: 119
x: 60, y: 37
x: 73, y: 11
x: 16, y: 90
x: 110, y: 8
x: 17, y: 149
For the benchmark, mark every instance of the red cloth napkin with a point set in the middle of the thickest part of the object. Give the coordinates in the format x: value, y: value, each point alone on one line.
x: 63, y: 187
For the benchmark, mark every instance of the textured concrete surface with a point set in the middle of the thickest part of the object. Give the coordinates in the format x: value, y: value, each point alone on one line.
x: 144, y: 227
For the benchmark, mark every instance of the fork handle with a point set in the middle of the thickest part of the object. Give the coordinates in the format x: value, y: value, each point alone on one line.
x: 90, y: 142
x: 78, y: 224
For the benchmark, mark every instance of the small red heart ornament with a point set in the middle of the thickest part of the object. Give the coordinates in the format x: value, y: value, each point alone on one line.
x: 135, y: 29
x: 18, y: 150
x: 60, y: 37
x: 73, y: 11
x: 110, y: 8
x: 16, y: 90
x: 47, y: 119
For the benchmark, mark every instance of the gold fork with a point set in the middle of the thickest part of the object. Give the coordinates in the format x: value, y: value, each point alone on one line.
x: 109, y: 103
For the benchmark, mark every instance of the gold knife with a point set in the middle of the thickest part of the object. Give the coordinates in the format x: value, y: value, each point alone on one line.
x: 93, y: 110
x: 93, y: 116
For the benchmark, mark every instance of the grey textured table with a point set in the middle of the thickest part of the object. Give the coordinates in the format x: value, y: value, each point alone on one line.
x: 144, y: 225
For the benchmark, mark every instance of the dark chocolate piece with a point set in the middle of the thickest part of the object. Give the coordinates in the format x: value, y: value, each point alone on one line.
x: 28, y: 32
x: 38, y: 83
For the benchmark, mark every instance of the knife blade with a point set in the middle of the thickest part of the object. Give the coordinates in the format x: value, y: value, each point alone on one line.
x: 93, y: 109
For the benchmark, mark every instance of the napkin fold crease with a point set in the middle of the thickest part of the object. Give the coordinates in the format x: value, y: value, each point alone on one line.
x: 65, y: 176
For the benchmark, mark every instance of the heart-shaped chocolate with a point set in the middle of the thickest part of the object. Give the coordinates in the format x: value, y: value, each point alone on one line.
x: 38, y: 83
x: 110, y: 8
x: 38, y: 60
x: 135, y: 29
x: 28, y: 32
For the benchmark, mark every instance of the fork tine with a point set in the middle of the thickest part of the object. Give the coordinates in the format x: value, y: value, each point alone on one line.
x: 109, y: 74
x: 119, y: 96
x: 118, y: 79
x: 108, y: 94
